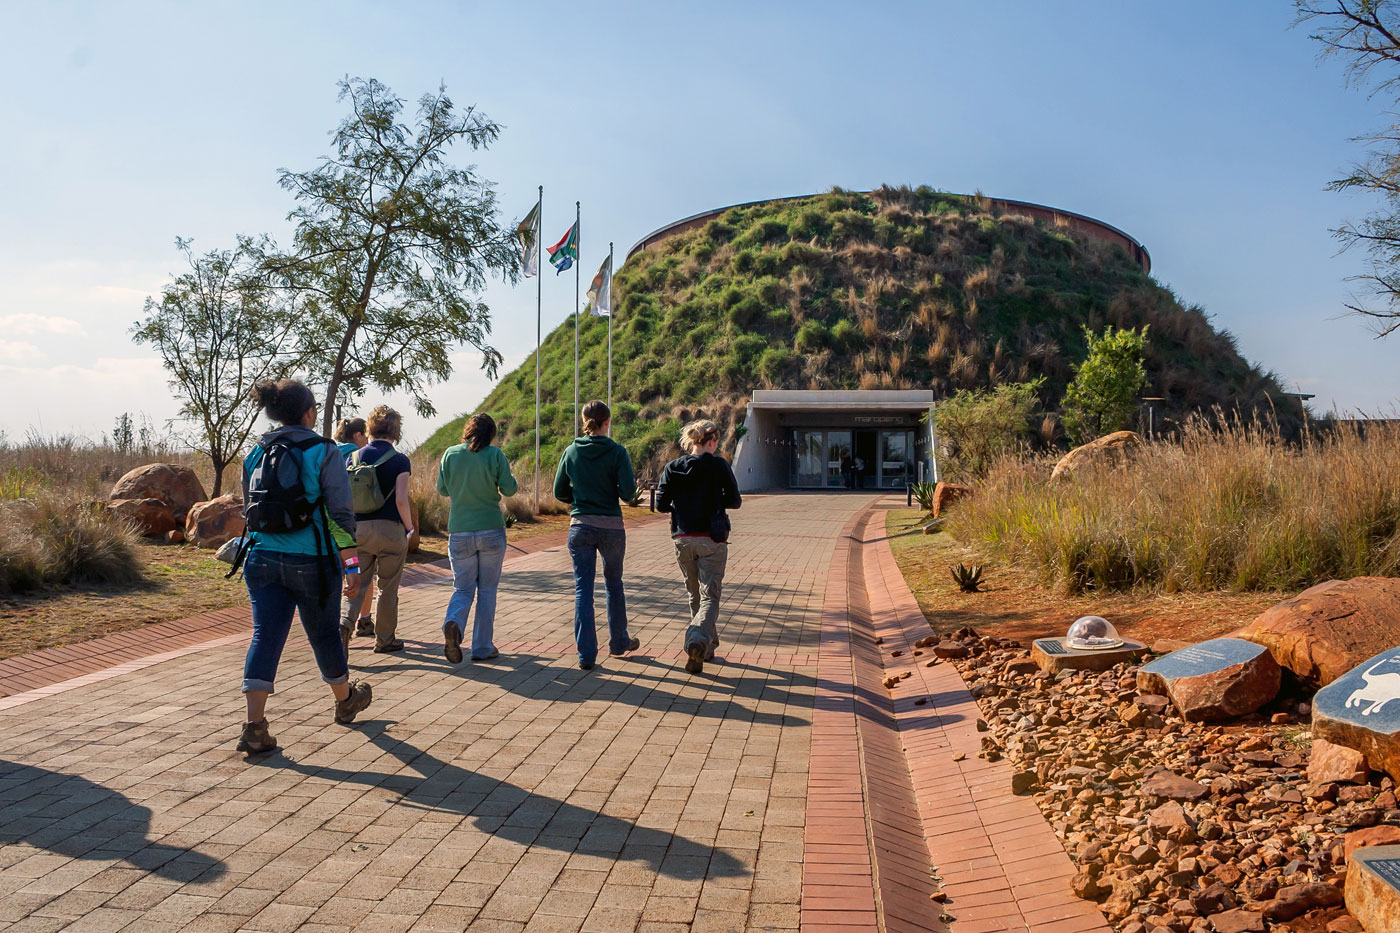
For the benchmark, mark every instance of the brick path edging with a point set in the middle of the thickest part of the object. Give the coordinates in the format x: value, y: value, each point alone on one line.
x: 1001, y: 864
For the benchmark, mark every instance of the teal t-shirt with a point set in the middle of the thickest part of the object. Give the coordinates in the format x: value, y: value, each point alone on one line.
x: 474, y: 483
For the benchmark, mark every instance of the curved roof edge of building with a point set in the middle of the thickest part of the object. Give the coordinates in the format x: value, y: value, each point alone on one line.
x: 1138, y: 252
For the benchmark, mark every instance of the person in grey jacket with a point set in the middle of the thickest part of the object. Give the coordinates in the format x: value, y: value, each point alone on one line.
x: 298, y: 571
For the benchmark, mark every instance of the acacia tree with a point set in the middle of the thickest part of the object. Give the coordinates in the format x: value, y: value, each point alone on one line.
x: 1366, y: 35
x: 1104, y: 394
x: 392, y: 247
x: 218, y: 331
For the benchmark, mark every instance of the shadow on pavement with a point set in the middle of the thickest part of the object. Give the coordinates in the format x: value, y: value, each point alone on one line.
x: 68, y: 815
x: 509, y: 812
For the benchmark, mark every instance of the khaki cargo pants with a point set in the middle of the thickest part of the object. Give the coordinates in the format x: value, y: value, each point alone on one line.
x: 383, y: 548
x: 702, y: 562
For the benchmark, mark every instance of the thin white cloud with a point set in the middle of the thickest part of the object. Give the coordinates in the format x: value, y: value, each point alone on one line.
x: 18, y: 351
x: 40, y: 324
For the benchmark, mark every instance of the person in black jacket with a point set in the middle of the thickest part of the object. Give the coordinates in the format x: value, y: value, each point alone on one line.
x: 696, y: 489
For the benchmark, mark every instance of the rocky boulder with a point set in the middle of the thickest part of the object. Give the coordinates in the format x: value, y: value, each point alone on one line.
x: 945, y: 494
x: 1328, y: 629
x: 1383, y: 835
x: 1328, y: 764
x: 1361, y: 710
x: 210, y: 524
x: 1217, y: 679
x: 1111, y: 449
x: 1372, y: 895
x: 177, y: 486
x: 150, y: 517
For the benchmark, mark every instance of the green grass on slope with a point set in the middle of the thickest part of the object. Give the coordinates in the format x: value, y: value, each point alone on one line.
x: 897, y: 288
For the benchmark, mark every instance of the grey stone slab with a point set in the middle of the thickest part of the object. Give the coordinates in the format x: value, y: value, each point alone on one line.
x: 1208, y: 657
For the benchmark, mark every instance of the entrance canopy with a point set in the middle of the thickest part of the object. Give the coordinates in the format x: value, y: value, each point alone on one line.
x: 835, y: 439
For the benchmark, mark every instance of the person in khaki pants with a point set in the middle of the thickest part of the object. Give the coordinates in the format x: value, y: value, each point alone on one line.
x: 382, y: 535
x: 696, y: 489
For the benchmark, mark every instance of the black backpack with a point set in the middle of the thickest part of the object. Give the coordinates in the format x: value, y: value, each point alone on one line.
x: 277, y: 500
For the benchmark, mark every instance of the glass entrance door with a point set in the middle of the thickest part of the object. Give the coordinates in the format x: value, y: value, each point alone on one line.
x: 896, y: 458
x: 838, y: 458
x: 809, y: 448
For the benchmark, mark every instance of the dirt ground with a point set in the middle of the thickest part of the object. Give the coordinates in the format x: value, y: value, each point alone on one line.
x: 181, y: 581
x: 1013, y: 604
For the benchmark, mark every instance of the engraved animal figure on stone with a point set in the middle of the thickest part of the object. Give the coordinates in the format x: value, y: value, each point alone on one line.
x: 1379, y: 690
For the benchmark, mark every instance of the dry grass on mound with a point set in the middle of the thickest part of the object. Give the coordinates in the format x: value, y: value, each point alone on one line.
x: 1234, y: 508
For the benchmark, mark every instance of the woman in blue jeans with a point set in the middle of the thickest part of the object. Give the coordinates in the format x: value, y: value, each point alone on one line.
x: 299, y: 570
x: 594, y: 474
x: 474, y: 476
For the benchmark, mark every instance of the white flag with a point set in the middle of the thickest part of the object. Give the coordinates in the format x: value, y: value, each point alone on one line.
x: 600, y: 290
x: 528, y: 233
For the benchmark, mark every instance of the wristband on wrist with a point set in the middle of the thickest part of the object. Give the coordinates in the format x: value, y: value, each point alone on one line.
x: 352, y: 569
x: 352, y: 562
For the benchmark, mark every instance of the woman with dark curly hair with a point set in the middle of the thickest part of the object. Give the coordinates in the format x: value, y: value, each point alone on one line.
x: 474, y: 476
x: 301, y: 532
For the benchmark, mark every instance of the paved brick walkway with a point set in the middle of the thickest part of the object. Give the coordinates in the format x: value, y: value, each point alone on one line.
x: 772, y: 791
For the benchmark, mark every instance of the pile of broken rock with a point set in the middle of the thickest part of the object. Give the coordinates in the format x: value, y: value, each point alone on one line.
x: 1207, y: 791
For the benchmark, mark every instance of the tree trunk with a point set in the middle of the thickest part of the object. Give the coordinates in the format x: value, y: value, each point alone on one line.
x: 219, y: 467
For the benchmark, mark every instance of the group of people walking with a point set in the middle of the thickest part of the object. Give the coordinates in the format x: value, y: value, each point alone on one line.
x: 331, y: 518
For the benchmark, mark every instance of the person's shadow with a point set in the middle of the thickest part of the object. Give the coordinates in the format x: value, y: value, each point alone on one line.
x: 68, y: 815
x: 509, y: 812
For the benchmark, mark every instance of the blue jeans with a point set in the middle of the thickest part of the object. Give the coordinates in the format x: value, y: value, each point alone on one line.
x: 278, y: 585
x: 476, y: 573
x: 585, y: 544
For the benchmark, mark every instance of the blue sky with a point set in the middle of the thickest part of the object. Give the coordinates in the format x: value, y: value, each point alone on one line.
x: 1206, y: 130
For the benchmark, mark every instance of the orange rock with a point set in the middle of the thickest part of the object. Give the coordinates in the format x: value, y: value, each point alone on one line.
x: 1383, y: 835
x: 1110, y: 449
x: 177, y: 486
x: 1326, y: 630
x: 945, y: 494
x: 210, y: 524
x: 149, y: 516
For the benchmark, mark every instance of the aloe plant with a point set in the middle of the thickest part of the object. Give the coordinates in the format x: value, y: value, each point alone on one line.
x: 967, y: 578
x: 923, y: 494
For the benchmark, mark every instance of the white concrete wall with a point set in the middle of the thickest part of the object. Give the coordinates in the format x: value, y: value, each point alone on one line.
x: 759, y: 464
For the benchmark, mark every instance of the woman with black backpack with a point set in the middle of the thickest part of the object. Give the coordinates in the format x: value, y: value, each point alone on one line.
x: 696, y: 489
x: 301, y: 529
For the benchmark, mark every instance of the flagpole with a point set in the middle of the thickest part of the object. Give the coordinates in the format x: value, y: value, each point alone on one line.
x: 539, y: 331
x: 578, y: 264
x: 611, y: 305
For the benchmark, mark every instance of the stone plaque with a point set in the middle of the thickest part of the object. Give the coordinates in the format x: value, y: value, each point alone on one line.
x: 1361, y: 710
x: 1373, y: 887
x: 1205, y: 658
x: 1216, y: 679
x: 1053, y: 655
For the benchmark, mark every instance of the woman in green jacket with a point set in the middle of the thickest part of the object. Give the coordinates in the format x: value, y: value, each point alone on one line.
x: 594, y: 474
x: 474, y: 476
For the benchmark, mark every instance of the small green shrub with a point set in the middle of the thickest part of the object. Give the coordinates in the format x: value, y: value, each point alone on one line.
x: 812, y: 336
x: 846, y: 333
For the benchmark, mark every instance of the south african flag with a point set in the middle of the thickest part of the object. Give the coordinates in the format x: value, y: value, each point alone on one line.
x: 563, y: 254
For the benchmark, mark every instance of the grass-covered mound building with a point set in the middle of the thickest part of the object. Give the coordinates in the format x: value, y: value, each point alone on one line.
x: 895, y: 289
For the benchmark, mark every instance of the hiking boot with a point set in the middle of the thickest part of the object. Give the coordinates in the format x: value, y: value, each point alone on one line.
x: 452, y: 650
x: 486, y: 657
x: 385, y: 647
x: 695, y: 658
x: 632, y: 645
x: 360, y: 695
x: 364, y: 627
x: 256, y: 738
x: 585, y: 665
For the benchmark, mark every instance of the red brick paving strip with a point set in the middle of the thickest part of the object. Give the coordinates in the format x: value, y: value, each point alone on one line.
x: 52, y: 666
x: 1001, y: 864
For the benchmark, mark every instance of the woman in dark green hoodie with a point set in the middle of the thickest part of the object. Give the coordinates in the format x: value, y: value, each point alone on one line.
x: 594, y: 475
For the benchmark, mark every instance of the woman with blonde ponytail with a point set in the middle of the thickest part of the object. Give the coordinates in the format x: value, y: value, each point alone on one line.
x: 594, y: 476
x: 696, y: 489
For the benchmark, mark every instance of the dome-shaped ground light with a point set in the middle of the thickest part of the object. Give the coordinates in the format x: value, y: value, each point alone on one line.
x: 1091, y: 633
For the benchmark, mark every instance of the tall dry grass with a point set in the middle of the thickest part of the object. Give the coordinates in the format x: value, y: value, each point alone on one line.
x: 50, y: 537
x: 1234, y: 507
